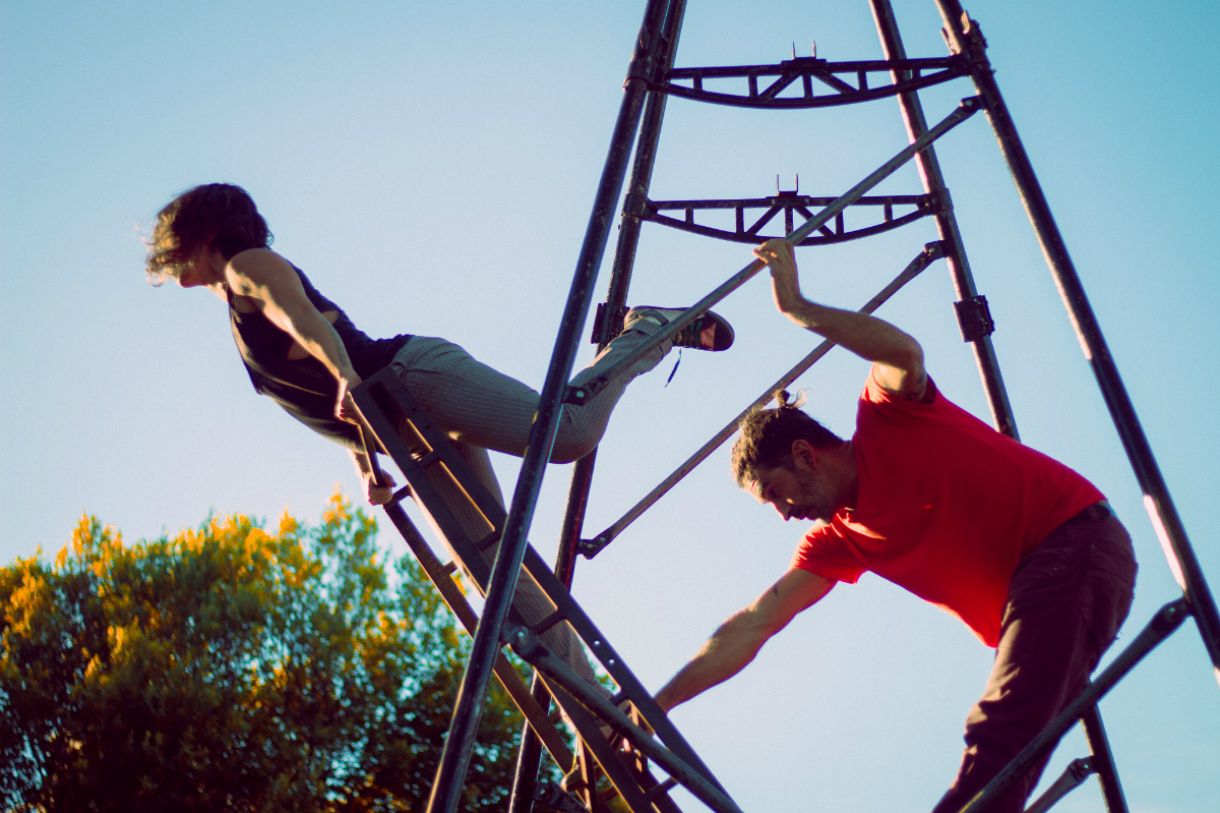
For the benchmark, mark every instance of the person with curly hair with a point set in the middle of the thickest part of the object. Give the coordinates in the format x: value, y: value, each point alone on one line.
x: 302, y: 351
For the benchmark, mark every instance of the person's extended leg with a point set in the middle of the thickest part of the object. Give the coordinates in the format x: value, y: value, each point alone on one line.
x: 1067, y: 600
x: 480, y: 406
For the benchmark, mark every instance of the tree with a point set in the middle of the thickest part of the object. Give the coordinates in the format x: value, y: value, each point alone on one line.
x: 229, y: 668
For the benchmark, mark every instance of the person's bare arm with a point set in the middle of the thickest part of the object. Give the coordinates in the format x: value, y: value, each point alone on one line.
x: 377, y: 491
x: 739, y: 639
x: 265, y: 276
x: 896, y: 356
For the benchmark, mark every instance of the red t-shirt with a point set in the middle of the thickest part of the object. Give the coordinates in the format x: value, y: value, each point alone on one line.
x: 946, y: 506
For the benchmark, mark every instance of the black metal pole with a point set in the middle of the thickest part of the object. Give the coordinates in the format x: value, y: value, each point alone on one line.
x: 1103, y: 762
x: 946, y: 222
x: 641, y: 171
x: 959, y: 267
x: 529, y: 755
x: 468, y: 709
x: 966, y: 38
x: 525, y: 778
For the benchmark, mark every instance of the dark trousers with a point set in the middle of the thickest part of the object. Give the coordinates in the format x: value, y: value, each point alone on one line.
x: 1067, y: 599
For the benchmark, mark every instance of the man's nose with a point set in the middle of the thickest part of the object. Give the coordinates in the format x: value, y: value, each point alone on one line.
x: 783, y: 509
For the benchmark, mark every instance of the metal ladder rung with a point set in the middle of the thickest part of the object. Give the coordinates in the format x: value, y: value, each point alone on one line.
x: 488, y: 542
x: 665, y: 786
x: 551, y: 620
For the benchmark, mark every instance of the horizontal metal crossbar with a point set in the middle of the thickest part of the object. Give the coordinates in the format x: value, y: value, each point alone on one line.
x: 806, y: 82
x: 752, y: 215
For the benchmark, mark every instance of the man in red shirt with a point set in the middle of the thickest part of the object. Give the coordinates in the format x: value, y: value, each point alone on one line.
x: 1024, y: 550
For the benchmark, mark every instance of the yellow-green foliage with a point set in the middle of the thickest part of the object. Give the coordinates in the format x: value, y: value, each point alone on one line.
x: 231, y: 668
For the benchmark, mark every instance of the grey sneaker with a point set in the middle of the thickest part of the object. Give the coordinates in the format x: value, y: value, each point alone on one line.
x: 710, y: 331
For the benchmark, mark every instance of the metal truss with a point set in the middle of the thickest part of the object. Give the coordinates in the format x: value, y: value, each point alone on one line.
x: 798, y: 83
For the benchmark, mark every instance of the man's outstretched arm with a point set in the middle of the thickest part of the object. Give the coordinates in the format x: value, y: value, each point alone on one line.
x: 897, y: 358
x: 741, y: 637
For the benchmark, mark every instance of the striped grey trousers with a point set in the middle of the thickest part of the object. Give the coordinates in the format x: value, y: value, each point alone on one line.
x: 481, y: 408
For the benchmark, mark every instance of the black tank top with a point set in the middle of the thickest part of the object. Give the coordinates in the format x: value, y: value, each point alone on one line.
x: 304, y: 387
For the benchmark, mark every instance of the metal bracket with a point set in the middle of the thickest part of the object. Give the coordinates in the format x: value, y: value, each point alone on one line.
x: 607, y: 323
x: 974, y: 318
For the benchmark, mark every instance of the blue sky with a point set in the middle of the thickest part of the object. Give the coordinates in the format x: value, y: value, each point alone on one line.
x: 431, y: 166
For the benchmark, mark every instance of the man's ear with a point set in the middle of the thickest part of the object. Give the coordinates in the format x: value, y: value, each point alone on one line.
x: 803, y: 454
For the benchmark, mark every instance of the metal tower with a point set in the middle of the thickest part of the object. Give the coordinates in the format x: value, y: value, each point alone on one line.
x: 430, y: 468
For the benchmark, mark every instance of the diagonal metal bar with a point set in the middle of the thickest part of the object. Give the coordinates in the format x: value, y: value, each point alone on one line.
x: 620, y: 280
x: 965, y: 110
x: 534, y: 713
x: 1102, y: 762
x: 1073, y: 777
x: 592, y: 547
x: 455, y: 757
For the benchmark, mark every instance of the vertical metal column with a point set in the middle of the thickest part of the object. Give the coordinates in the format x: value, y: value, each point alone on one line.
x: 455, y: 757
x: 946, y: 222
x: 525, y: 778
x: 965, y: 38
x: 1001, y: 409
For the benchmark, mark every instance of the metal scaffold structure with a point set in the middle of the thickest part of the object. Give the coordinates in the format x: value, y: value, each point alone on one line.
x: 494, y: 550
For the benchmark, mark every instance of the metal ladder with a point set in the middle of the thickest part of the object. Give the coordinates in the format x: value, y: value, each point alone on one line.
x: 445, y: 488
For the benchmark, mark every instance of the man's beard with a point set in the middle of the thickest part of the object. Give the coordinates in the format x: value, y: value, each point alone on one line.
x: 818, y: 498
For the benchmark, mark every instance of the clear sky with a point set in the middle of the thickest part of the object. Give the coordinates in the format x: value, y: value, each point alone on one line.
x: 432, y: 166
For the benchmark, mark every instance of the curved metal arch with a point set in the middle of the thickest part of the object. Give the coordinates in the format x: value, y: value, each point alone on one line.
x: 896, y: 211
x: 847, y: 82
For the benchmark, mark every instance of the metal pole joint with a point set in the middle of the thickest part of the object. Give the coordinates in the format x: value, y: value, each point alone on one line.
x: 1082, y: 768
x: 589, y: 548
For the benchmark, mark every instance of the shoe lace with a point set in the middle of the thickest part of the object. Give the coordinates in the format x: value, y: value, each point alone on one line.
x: 674, y: 371
x: 690, y: 336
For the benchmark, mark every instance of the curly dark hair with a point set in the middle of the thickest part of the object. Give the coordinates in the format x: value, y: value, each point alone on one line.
x: 766, y: 436
x: 218, y: 214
